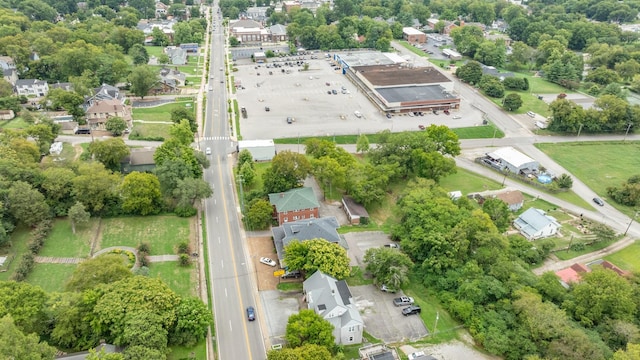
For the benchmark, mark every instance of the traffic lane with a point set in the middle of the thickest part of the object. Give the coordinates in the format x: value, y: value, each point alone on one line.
x: 232, y: 323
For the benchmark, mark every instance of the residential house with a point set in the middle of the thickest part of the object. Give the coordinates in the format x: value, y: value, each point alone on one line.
x: 490, y: 70
x: 289, y: 5
x: 413, y: 36
x: 177, y: 56
x: 257, y: 13
x: 170, y: 82
x: 261, y: 150
x: 536, y: 224
x: 166, y: 26
x: 10, y: 75
x: 356, y: 213
x: 66, y: 86
x: 108, y: 349
x: 513, y: 198
x: 295, y: 204
x: 174, y: 74
x: 332, y: 300
x: 190, y: 47
x: 140, y: 160
x: 104, y: 92
x: 161, y: 9
x: 278, y: 33
x: 6, y: 62
x: 303, y: 230
x: 573, y: 274
x: 502, y: 37
x: 102, y: 110
x: 32, y: 87
x: 509, y: 159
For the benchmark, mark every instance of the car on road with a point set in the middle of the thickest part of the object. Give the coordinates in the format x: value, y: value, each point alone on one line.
x: 251, y: 313
x: 220, y: 69
x: 329, y: 92
x: 266, y: 108
x: 388, y: 289
x: 289, y: 120
x: 421, y: 127
x: 210, y: 88
x: 328, y: 84
x: 392, y: 246
x: 598, y: 201
x: 403, y: 300
x: 447, y: 112
x: 457, y: 117
x: 358, y: 114
x: 411, y: 310
x: 207, y: 151
x: 267, y: 261
x: 435, y: 112
x: 388, y: 116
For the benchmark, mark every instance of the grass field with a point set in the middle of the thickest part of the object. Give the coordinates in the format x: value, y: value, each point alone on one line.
x: 159, y: 113
x: 468, y: 182
x: 63, y: 243
x: 163, y: 233
x: 179, y: 279
x: 16, y: 123
x: 566, y: 255
x: 180, y: 352
x: 151, y: 130
x: 51, y: 277
x: 627, y: 258
x: 598, y: 164
x: 13, y: 251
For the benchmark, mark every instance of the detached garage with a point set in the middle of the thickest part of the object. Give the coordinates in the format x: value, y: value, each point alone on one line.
x: 261, y: 150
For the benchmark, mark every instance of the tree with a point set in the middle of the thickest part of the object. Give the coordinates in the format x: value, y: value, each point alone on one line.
x: 193, y: 320
x: 78, y: 216
x: 6, y: 89
x: 388, y: 266
x: 25, y: 303
x: 44, y: 133
x: 492, y: 86
x: 160, y: 39
x: 307, y: 327
x: 103, y: 269
x: 247, y: 173
x: 109, y: 152
x: 565, y: 181
x: 190, y: 189
x: 169, y: 173
x: 470, y: 72
x: 182, y: 113
x: 499, y: 213
x: 304, y: 352
x: 139, y: 54
x: 95, y: 186
x: 287, y: 171
x: 362, y: 144
x: 601, y: 295
x: 329, y: 172
x: 258, y: 214
x: 26, y: 204
x: 141, y: 193
x: 318, y: 254
x: 142, y: 79
x: 632, y: 353
x: 116, y: 125
x: 14, y: 344
x: 174, y: 150
x: 37, y: 10
x: 512, y: 102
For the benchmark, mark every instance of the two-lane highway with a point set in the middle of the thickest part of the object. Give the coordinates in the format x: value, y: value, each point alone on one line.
x: 232, y: 281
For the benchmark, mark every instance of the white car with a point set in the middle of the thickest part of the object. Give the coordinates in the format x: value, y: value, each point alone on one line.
x: 207, y: 151
x: 357, y: 114
x: 457, y: 117
x: 267, y: 261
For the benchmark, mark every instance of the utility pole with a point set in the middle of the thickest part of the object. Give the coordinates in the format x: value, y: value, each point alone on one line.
x: 436, y: 324
x: 241, y: 192
x: 626, y: 132
x: 630, y: 222
x: 579, y: 130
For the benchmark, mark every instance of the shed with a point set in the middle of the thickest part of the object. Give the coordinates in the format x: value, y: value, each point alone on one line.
x: 261, y: 150
x: 451, y: 54
x: 140, y: 160
x: 356, y: 213
x: 259, y: 57
x: 508, y: 158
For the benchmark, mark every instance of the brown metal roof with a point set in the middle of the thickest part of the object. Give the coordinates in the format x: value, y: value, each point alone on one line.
x: 389, y: 75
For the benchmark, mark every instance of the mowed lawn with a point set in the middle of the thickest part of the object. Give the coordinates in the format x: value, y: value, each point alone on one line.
x: 180, y: 279
x: 62, y: 242
x: 51, y: 277
x: 468, y: 182
x: 598, y: 164
x: 153, y: 130
x: 159, y: 113
x: 14, y: 250
x: 627, y: 258
x: 163, y: 233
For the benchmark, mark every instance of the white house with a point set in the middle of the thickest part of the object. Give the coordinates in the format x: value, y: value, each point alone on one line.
x: 33, y: 87
x: 536, y: 224
x: 332, y: 300
x: 261, y: 150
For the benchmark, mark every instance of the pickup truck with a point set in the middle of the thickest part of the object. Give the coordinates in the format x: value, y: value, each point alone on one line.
x: 403, y: 300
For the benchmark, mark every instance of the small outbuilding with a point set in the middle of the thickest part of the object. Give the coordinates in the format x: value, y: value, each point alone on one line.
x: 508, y: 158
x: 356, y: 213
x: 261, y: 150
x: 260, y: 57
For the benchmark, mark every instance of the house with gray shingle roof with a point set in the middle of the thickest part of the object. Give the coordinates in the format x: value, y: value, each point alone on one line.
x: 295, y: 204
x: 303, y: 230
x: 536, y: 224
x: 332, y: 299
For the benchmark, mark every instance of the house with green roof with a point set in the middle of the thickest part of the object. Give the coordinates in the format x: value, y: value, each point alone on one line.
x: 295, y: 204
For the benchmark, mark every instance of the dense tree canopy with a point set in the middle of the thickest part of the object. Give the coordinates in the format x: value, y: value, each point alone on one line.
x: 318, y: 254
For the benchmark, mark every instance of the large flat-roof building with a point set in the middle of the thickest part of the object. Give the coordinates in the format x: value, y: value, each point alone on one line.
x: 397, y: 86
x: 413, y: 35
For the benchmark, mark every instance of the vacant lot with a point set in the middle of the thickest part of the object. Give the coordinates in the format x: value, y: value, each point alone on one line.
x: 159, y: 113
x: 163, y: 233
x: 627, y: 258
x: 263, y: 247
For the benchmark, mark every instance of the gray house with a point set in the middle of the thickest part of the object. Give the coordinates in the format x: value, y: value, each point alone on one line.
x: 508, y: 158
x: 536, y: 224
x: 332, y: 300
x: 302, y: 230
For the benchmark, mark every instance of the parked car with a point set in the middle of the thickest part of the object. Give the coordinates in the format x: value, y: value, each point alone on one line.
x: 447, y: 112
x: 598, y: 201
x: 207, y: 151
x: 531, y: 114
x: 411, y: 310
x: 267, y: 261
x: 329, y: 92
x: 289, y: 120
x: 328, y: 84
x: 291, y: 274
x: 435, y: 112
x: 266, y: 108
x: 457, y: 117
x: 357, y: 113
x: 334, y: 92
x: 251, y: 313
x: 403, y: 300
x: 392, y: 245
x: 385, y: 288
x: 388, y: 116
x: 421, y: 127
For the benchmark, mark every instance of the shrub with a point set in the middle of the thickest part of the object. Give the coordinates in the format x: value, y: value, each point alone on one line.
x: 183, y: 248
x: 142, y: 271
x: 185, y: 211
x: 184, y: 260
x: 144, y: 247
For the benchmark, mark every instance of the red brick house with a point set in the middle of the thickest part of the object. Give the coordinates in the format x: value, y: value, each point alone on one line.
x: 295, y: 204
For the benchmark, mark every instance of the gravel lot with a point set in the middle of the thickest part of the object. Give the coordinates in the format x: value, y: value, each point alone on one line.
x: 303, y: 96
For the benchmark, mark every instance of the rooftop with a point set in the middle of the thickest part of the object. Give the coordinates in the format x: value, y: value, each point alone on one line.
x: 390, y: 75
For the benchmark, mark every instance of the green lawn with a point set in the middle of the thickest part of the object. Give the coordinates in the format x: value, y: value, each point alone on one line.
x: 154, y: 50
x: 51, y: 277
x: 180, y: 279
x: 63, y: 243
x: 180, y: 352
x: 16, y: 123
x: 598, y: 164
x: 150, y: 130
x: 468, y: 182
x: 13, y: 251
x: 163, y: 233
x: 627, y: 258
x: 566, y: 255
x: 159, y: 113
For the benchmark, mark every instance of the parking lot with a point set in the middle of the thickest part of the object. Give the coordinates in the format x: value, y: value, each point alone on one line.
x: 302, y: 95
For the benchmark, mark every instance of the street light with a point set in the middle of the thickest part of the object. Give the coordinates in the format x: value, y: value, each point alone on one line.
x: 630, y: 222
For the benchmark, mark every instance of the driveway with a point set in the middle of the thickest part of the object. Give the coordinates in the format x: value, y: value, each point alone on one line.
x: 359, y: 242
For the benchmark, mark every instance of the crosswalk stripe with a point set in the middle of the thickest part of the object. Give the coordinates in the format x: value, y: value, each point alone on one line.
x: 209, y: 138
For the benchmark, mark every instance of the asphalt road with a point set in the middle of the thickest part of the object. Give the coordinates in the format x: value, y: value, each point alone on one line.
x: 232, y: 281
